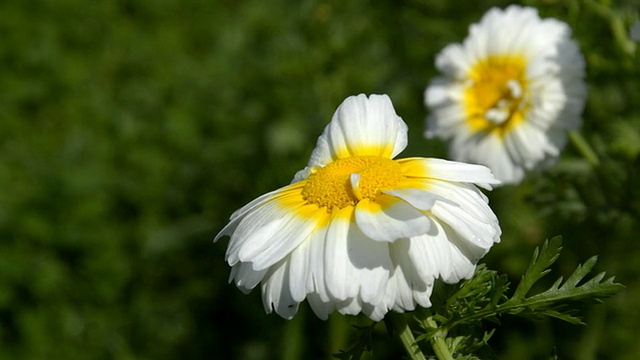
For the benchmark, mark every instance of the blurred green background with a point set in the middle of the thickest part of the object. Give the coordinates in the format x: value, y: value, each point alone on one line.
x: 131, y: 130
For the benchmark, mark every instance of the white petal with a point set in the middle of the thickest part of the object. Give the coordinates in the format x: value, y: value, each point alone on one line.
x: 423, y: 297
x: 301, y: 175
x: 299, y: 271
x: 491, y: 152
x: 449, y: 170
x: 280, y: 232
x: 260, y: 220
x: 434, y: 256
x: 375, y: 312
x: 471, y: 251
x: 337, y: 265
x: 320, y: 307
x: 350, y: 307
x: 255, y: 215
x: 408, y: 280
x: 418, y: 198
x: 254, y: 233
x: 526, y: 145
x: 474, y: 231
x: 355, y: 266
x: 398, y: 294
x: 427, y: 255
x: 389, y: 218
x: 318, y: 296
x: 245, y: 278
x: 315, y: 282
x: 372, y: 266
x: 361, y: 126
x: 453, y: 61
x: 272, y: 196
x: 276, y: 294
x: 468, y: 213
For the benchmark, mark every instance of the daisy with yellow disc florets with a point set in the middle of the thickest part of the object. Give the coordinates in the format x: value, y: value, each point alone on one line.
x: 357, y: 231
x: 509, y: 93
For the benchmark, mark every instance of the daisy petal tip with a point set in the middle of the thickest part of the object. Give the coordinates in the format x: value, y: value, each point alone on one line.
x: 219, y: 236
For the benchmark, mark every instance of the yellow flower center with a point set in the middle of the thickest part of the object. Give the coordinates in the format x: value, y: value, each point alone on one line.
x: 496, y: 97
x: 344, y: 182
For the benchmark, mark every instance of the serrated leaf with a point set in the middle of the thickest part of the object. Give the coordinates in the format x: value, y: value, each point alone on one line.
x: 500, y: 286
x: 548, y: 303
x: 564, y: 316
x: 540, y: 262
x: 477, y: 286
x: 483, y: 298
x: 561, y: 312
x: 552, y: 301
x: 595, y: 288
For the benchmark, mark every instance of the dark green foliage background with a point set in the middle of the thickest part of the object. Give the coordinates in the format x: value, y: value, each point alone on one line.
x: 131, y: 130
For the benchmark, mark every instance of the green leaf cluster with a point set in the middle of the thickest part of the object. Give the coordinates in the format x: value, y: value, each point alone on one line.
x: 485, y: 298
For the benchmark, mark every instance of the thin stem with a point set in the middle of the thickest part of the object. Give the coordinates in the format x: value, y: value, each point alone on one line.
x: 438, y: 341
x: 584, y: 148
x: 403, y: 330
x: 338, y: 333
x: 292, y: 337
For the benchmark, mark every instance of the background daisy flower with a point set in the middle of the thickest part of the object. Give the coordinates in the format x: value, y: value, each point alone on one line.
x: 509, y: 93
x: 357, y: 231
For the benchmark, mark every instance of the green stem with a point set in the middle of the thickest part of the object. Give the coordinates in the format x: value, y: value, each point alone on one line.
x: 403, y: 330
x: 584, y: 148
x: 438, y: 341
x: 293, y: 339
x: 338, y: 333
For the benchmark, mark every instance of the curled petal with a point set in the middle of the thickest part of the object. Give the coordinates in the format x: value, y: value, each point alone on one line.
x: 389, y: 218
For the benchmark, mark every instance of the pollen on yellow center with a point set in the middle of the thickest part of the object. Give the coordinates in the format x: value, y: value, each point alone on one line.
x: 496, y: 97
x: 344, y: 182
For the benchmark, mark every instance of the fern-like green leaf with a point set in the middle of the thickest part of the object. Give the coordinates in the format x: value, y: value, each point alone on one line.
x: 538, y: 267
x: 483, y: 298
x: 594, y: 289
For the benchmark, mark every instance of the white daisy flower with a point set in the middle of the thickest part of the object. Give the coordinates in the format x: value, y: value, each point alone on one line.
x: 509, y: 93
x: 357, y: 231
